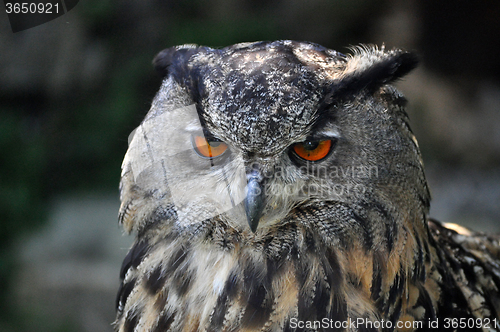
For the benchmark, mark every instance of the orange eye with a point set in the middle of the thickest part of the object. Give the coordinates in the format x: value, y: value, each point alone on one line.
x: 313, y: 151
x: 208, y: 149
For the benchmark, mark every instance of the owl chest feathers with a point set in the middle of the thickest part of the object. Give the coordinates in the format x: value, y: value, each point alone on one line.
x: 224, y: 282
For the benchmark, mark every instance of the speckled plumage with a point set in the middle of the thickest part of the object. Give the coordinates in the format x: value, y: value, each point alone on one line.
x: 340, y: 239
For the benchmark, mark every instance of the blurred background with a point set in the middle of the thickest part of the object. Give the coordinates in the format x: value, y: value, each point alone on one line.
x: 72, y: 90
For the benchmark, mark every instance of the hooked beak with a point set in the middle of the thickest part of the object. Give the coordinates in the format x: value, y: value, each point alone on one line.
x: 254, y: 200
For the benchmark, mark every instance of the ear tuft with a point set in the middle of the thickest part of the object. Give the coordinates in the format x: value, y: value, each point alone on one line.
x: 370, y: 68
x: 406, y: 62
x: 169, y: 56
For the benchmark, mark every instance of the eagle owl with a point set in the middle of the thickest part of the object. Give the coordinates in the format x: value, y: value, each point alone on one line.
x: 277, y: 186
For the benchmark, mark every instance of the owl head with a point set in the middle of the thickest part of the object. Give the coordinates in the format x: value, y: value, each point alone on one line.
x: 253, y: 134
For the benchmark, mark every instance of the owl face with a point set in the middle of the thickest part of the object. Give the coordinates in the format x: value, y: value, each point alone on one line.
x: 250, y: 134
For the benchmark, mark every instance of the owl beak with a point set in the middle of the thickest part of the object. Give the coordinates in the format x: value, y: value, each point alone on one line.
x: 254, y: 202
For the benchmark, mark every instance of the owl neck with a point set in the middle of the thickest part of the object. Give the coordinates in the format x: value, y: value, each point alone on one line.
x: 307, y: 269
x: 309, y: 274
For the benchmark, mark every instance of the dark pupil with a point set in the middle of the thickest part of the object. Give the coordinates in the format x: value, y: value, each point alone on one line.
x: 309, y: 146
x: 214, y: 144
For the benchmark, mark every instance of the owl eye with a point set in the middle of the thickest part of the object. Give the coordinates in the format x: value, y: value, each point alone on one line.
x: 208, y: 148
x: 313, y: 150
